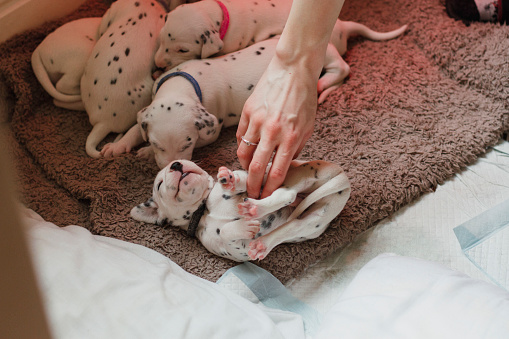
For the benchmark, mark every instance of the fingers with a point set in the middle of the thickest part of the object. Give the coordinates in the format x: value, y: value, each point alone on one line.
x: 300, y: 148
x: 278, y: 170
x: 257, y: 168
x: 242, y: 127
x: 245, y: 152
x: 249, y: 130
x: 255, y: 159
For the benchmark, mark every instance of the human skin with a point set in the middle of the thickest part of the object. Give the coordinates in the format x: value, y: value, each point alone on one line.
x: 280, y: 114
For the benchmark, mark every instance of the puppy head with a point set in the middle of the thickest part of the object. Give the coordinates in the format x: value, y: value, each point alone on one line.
x: 174, y: 127
x: 187, y: 34
x: 179, y: 189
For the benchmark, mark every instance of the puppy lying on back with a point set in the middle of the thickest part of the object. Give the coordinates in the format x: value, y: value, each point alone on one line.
x: 233, y: 226
x: 213, y: 27
x: 193, y: 101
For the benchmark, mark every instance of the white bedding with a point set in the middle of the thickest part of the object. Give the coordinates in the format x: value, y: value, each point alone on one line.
x: 397, y: 297
x: 96, y: 287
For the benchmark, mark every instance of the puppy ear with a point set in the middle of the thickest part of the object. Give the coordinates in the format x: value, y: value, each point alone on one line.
x: 212, y: 44
x: 146, y: 212
x: 207, y: 124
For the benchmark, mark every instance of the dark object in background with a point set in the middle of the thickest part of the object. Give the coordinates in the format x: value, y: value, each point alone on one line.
x: 478, y: 10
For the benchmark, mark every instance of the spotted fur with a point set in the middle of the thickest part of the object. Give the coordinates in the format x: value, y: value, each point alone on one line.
x: 176, y: 121
x: 191, y: 31
x: 236, y: 227
x: 59, y: 60
x: 117, y: 80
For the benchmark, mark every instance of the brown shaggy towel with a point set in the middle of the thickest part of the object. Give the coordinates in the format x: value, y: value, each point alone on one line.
x: 414, y: 111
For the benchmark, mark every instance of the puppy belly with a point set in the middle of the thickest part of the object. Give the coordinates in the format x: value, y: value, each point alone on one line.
x: 213, y: 235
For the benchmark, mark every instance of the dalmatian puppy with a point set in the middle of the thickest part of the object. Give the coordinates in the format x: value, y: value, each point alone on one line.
x: 193, y: 101
x: 117, y: 80
x: 213, y: 27
x: 59, y: 60
x: 235, y: 227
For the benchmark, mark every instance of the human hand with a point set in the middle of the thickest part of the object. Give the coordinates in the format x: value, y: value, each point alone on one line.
x: 278, y: 116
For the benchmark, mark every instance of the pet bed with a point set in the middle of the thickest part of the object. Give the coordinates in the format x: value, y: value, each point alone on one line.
x: 414, y: 111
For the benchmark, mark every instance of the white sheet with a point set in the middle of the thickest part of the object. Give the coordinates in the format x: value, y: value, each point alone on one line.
x: 397, y: 297
x: 97, y: 287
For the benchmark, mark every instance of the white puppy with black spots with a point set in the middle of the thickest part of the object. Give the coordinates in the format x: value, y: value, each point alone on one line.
x: 59, y: 60
x: 193, y: 101
x: 117, y: 80
x: 213, y: 27
x: 235, y: 227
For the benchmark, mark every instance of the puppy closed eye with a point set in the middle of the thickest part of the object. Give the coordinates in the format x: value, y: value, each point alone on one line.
x: 187, y: 145
x: 159, y: 185
x: 154, y: 144
x: 183, y: 50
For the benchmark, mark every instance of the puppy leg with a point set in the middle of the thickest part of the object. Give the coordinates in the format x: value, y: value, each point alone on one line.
x: 336, y: 70
x: 240, y: 229
x: 251, y: 208
x: 310, y: 226
x: 233, y: 181
x: 130, y: 140
x: 146, y: 153
x: 301, y: 178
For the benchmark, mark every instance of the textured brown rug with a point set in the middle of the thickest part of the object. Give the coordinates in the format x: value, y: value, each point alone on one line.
x: 413, y: 112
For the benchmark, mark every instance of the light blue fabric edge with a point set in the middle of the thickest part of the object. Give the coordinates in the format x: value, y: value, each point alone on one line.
x: 272, y: 293
x: 476, y: 230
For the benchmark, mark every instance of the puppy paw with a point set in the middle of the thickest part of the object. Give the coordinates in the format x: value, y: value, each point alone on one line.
x: 157, y: 73
x: 248, y: 209
x: 226, y: 178
x: 257, y: 250
x: 252, y: 228
x: 145, y: 153
x: 114, y: 149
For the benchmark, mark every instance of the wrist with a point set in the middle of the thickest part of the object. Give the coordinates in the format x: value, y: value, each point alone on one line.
x: 307, y: 56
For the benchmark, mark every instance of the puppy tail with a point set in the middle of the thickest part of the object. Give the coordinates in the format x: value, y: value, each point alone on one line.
x: 42, y: 75
x: 354, y: 28
x: 73, y: 106
x: 337, y: 185
x: 98, y: 133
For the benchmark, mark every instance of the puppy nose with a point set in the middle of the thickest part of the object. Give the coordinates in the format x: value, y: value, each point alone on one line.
x: 176, y: 166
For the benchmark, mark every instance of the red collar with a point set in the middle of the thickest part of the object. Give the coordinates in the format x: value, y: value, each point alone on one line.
x: 500, y: 11
x: 226, y: 20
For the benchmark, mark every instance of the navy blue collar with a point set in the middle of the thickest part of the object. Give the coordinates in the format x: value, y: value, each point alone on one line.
x: 195, y: 219
x: 185, y: 75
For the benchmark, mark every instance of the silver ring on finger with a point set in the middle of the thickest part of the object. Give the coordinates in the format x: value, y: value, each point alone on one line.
x: 249, y: 143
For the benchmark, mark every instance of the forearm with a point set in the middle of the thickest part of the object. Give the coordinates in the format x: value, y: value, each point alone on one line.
x: 307, y: 33
x: 280, y: 113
